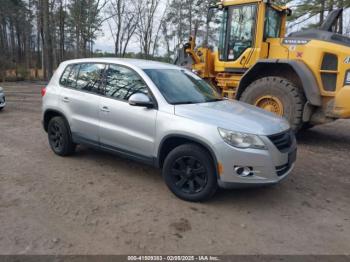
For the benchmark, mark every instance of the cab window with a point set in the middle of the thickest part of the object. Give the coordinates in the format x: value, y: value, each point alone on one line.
x: 272, y: 23
x: 122, y: 82
x: 238, y: 31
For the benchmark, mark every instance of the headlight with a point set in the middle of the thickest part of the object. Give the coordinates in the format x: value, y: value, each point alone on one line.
x: 241, y: 140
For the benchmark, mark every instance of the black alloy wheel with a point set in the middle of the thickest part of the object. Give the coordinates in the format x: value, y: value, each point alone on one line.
x: 56, y: 137
x: 189, y: 174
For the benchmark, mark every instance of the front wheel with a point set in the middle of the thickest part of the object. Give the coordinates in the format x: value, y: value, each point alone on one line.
x: 189, y: 173
x: 277, y: 95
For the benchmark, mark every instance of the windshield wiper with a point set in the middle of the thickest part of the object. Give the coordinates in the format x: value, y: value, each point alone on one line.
x: 214, y: 100
x: 197, y: 102
x: 185, y: 102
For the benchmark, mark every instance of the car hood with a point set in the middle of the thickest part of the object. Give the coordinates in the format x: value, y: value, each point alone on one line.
x: 234, y: 115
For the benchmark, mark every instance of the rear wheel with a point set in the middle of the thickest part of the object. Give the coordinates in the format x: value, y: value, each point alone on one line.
x: 277, y: 95
x: 189, y: 173
x: 59, y: 137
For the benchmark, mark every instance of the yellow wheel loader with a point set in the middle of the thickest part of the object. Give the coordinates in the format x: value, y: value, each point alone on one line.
x: 304, y: 77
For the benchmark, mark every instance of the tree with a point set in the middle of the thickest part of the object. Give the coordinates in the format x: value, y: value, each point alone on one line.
x: 312, y: 13
x: 15, y: 36
x: 47, y: 39
x: 188, y: 18
x: 146, y: 10
x: 85, y: 21
x: 123, y: 24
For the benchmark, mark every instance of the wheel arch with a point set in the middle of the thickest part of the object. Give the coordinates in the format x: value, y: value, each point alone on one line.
x: 295, y: 71
x: 49, y: 114
x: 169, y: 142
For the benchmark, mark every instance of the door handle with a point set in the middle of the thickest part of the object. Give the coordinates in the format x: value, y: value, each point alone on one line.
x: 65, y: 99
x: 104, y: 109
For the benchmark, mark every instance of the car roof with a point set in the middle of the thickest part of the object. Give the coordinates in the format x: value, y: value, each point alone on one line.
x: 138, y: 63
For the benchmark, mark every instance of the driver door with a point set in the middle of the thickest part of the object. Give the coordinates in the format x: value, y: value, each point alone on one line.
x: 126, y: 128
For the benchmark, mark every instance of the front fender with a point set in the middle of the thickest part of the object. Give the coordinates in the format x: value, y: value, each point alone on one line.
x: 306, y: 77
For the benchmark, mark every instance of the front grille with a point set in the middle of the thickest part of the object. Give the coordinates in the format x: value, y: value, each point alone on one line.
x: 282, y: 141
x: 329, y: 69
x: 329, y: 81
x: 329, y: 62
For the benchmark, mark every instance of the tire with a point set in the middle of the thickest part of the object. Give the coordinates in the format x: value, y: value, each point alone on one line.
x: 291, y: 97
x: 189, y: 173
x: 1, y: 108
x: 59, y: 136
x: 306, y: 126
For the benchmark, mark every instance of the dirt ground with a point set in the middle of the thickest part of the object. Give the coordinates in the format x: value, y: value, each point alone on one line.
x: 97, y: 203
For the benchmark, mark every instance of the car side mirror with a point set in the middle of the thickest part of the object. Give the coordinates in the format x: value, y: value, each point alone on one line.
x: 140, y: 99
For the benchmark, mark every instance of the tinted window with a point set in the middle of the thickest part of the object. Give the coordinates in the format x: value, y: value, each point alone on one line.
x: 69, y: 76
x: 122, y: 82
x: 182, y: 87
x: 90, y: 77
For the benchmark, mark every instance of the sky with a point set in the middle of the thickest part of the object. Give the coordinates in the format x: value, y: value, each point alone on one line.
x: 105, y: 41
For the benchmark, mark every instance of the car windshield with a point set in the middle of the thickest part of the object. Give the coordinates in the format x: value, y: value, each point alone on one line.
x: 182, y: 86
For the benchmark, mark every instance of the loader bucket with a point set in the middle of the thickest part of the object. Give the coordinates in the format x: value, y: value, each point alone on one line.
x: 183, y: 59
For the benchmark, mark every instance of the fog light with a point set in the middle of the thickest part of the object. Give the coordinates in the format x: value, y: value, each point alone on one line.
x: 243, y: 171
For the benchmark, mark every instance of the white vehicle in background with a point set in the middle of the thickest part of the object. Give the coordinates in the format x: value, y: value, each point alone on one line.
x: 2, y: 99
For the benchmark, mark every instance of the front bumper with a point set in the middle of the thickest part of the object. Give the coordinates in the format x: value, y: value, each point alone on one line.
x: 2, y: 100
x: 267, y: 166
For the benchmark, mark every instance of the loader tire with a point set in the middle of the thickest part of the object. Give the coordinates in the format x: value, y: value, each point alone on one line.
x: 277, y: 95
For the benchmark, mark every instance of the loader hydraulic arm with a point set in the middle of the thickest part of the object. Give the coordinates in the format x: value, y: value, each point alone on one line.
x: 189, y: 49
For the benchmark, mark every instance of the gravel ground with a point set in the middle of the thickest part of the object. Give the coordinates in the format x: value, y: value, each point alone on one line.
x: 97, y: 203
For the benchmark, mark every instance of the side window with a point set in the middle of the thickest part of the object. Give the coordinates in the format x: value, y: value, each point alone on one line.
x: 223, y: 36
x: 90, y: 77
x: 242, y: 30
x: 121, y: 83
x: 69, y: 76
x: 272, y: 23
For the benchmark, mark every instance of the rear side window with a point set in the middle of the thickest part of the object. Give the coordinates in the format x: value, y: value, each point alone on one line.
x: 90, y: 78
x: 85, y: 77
x: 69, y: 76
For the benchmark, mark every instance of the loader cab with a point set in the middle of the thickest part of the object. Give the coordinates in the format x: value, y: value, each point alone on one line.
x: 245, y: 27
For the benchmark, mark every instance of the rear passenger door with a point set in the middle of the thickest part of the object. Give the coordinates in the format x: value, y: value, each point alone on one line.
x: 80, y: 99
x: 126, y: 128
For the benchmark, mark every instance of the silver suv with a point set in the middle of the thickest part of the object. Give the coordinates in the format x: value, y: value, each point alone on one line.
x: 168, y: 117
